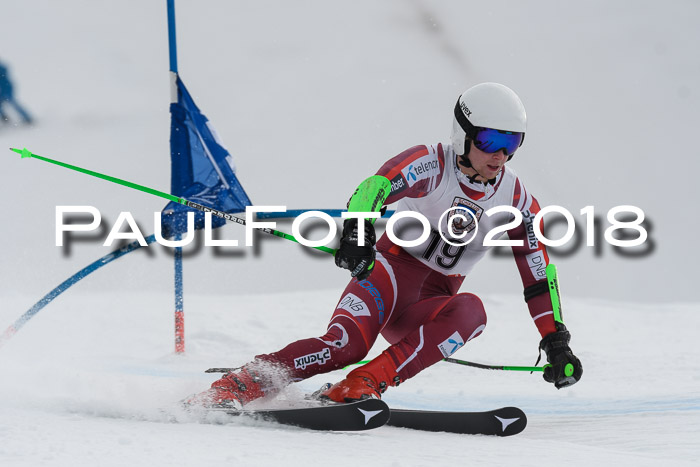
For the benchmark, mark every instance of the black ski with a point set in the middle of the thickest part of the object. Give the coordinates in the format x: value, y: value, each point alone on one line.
x: 506, y: 421
x: 353, y: 416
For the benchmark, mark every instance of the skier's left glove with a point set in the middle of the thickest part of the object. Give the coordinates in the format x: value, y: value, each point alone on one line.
x: 564, y: 368
x: 358, y: 259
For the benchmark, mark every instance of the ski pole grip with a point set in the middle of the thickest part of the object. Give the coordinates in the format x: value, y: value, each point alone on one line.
x: 569, y: 369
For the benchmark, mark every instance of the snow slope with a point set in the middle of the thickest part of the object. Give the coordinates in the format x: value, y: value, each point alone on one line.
x: 311, y: 97
x: 94, y: 382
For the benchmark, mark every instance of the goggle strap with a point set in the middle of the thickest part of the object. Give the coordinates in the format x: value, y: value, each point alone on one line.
x: 464, y: 122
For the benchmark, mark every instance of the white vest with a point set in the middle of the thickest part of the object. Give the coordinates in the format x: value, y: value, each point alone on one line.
x: 435, y: 252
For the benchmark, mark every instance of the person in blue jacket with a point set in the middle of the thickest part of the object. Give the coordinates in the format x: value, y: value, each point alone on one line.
x: 7, y: 98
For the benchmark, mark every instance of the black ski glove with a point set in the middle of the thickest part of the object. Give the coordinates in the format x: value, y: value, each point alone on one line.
x: 564, y: 368
x: 358, y: 259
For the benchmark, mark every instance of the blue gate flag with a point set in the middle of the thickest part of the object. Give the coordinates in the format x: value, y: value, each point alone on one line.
x: 202, y: 170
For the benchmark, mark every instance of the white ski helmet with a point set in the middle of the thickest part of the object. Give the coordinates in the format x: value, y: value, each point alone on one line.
x: 486, y: 105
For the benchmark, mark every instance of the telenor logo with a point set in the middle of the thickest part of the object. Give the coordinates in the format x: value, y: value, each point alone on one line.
x: 451, y: 344
x: 411, y: 175
x: 422, y: 168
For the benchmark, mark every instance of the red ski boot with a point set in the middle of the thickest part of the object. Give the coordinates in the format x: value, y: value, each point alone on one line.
x: 365, y: 382
x: 233, y: 390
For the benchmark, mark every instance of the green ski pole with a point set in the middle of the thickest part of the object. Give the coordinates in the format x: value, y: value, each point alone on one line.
x: 478, y: 365
x: 25, y: 153
x: 553, y: 285
x: 496, y: 367
x: 555, y: 295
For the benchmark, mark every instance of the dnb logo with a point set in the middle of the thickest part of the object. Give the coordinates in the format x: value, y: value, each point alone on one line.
x: 357, y: 307
x: 354, y: 305
x: 460, y: 219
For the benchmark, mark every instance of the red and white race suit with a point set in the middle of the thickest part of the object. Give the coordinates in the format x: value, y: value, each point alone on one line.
x: 412, y: 297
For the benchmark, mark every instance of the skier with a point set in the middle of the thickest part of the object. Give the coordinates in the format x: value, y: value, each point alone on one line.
x: 7, y: 98
x: 410, y: 294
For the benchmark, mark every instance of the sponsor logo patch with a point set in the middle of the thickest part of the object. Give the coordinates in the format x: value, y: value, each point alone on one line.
x: 537, y: 265
x: 528, y: 219
x: 460, y: 225
x: 354, y: 305
x: 422, y: 168
x: 369, y: 287
x: 451, y: 344
x: 465, y: 109
x: 398, y: 184
x: 318, y: 358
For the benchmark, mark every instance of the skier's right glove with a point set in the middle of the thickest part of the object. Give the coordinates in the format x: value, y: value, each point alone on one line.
x: 564, y: 368
x: 358, y: 259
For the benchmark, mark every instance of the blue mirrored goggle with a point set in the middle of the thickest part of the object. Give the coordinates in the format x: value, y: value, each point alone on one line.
x: 490, y: 140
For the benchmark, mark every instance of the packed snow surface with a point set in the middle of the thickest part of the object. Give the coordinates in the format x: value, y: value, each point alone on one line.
x: 94, y: 382
x: 310, y: 98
